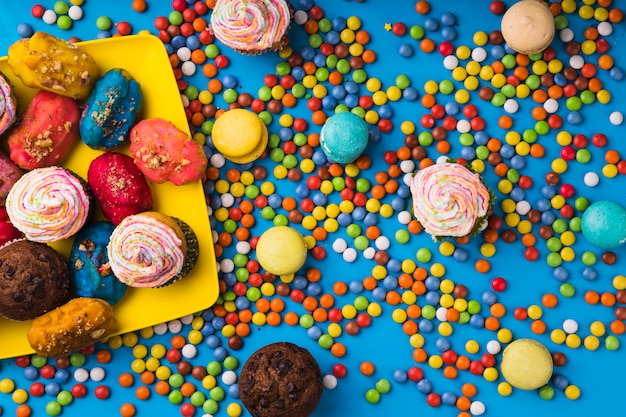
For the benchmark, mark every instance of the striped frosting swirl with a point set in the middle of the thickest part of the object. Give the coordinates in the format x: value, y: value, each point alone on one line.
x: 448, y: 199
x: 144, y: 252
x: 8, y: 105
x: 48, y: 204
x: 250, y: 25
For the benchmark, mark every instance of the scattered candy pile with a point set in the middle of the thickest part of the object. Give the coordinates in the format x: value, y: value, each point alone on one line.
x: 450, y: 307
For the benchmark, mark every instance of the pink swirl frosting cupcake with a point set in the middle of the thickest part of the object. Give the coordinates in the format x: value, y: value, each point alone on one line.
x: 449, y: 199
x: 145, y: 252
x: 48, y: 204
x: 251, y: 26
x: 8, y: 104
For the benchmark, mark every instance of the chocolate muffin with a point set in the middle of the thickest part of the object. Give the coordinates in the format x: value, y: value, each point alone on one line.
x: 281, y: 380
x: 34, y: 279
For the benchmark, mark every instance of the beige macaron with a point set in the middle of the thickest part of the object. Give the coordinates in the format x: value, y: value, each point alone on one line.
x: 528, y: 26
x: 526, y: 364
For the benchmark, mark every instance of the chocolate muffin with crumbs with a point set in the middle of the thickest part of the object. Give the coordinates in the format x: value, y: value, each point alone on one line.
x: 281, y: 380
x: 34, y: 279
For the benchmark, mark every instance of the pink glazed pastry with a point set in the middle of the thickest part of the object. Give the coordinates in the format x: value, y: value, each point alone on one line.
x: 165, y: 153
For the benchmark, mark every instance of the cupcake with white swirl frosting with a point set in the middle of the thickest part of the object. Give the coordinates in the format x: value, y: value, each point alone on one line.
x: 450, y: 200
x: 49, y: 204
x: 8, y: 104
x: 151, y: 250
x: 251, y: 26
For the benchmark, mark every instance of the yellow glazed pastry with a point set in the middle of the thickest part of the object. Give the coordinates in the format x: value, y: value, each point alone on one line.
x: 281, y: 250
x: 526, y: 364
x: 75, y: 325
x: 240, y: 136
x: 48, y: 63
x: 528, y: 27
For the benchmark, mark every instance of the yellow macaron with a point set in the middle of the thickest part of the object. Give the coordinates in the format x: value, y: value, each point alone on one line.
x: 526, y: 364
x: 240, y: 135
x: 281, y: 250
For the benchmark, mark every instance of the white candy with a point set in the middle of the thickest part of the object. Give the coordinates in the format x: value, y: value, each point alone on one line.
x: 217, y: 160
x: 75, y: 12
x: 185, y: 100
x: 188, y: 68
x: 570, y: 326
x: 405, y: 217
x: 450, y: 62
x: 382, y: 243
x: 566, y: 35
x: 407, y: 178
x: 300, y: 17
x: 187, y: 319
x: 616, y: 118
x: 175, y: 326
x: 189, y: 351
x: 494, y: 347
x: 49, y: 17
x: 369, y: 253
x: 81, y: 375
x: 591, y: 179
x: 605, y: 28
x: 227, y: 200
x: 329, y: 381
x: 407, y: 166
x: 479, y: 54
x: 97, y: 374
x: 340, y: 245
x: 229, y: 377
x: 442, y: 159
x: 551, y: 105
x: 522, y: 207
x: 463, y: 126
x: 227, y: 265
x: 511, y: 106
x: 243, y: 247
x: 160, y: 328
x: 442, y: 314
x: 184, y: 53
x: 477, y: 408
x: 576, y: 61
x: 349, y: 255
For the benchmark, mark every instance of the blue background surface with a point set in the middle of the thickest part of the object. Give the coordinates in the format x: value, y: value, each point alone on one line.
x: 599, y: 374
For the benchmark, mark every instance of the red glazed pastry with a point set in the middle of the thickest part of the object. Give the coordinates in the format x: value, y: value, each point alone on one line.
x: 118, y: 186
x: 46, y: 131
x: 165, y: 153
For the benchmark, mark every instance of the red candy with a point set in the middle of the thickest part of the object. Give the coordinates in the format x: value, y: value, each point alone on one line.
x: 498, y: 284
x: 37, y: 11
x: 398, y: 29
x: 102, y: 392
x: 339, y: 370
x: 497, y: 7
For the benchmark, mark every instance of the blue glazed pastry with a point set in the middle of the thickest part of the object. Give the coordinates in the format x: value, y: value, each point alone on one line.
x: 111, y: 110
x: 344, y: 137
x: 89, y: 264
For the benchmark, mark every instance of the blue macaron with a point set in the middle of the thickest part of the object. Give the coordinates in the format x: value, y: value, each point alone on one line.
x: 344, y: 137
x: 604, y: 224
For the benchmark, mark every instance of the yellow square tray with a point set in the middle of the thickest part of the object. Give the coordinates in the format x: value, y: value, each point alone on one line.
x: 144, y: 56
